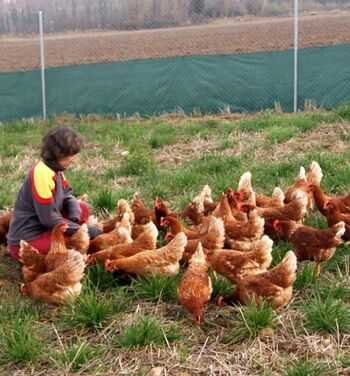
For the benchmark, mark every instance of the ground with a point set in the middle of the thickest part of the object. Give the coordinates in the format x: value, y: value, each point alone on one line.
x: 228, y: 36
x: 129, y: 326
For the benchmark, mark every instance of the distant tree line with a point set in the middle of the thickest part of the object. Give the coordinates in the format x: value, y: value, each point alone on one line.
x: 21, y: 16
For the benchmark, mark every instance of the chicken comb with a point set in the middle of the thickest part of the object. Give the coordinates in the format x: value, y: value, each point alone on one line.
x: 157, y: 202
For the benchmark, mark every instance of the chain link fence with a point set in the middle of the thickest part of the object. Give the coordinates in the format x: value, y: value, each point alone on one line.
x: 156, y: 56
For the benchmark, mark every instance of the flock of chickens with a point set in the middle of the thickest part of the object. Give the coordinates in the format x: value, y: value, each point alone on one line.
x: 233, y: 237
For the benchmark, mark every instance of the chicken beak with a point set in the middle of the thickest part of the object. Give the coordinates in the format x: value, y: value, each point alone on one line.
x: 325, y: 205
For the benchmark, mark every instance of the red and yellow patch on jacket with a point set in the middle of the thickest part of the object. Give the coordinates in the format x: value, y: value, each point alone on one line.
x: 43, y: 183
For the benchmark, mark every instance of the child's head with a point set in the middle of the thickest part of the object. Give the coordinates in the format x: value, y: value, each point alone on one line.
x: 60, y: 143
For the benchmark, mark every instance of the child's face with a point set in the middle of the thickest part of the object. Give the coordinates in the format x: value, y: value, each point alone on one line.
x: 65, y: 162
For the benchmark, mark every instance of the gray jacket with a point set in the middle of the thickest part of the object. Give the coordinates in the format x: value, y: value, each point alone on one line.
x: 44, y: 194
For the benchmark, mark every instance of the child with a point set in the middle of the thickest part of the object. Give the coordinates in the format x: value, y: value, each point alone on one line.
x: 45, y: 197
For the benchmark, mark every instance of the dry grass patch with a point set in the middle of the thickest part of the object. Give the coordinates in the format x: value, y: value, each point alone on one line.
x: 327, y: 137
x: 237, y: 144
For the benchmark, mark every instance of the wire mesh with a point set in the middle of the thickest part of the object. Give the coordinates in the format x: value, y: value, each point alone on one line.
x: 152, y: 56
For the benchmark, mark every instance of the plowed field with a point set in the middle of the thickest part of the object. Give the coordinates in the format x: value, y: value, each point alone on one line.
x: 220, y: 37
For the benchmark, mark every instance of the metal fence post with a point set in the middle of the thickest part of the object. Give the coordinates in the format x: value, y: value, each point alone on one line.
x: 295, y: 55
x: 42, y: 63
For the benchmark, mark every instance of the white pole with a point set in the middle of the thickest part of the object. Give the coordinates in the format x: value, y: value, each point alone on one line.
x: 295, y: 55
x: 42, y: 63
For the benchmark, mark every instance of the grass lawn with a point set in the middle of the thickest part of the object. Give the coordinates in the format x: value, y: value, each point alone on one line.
x: 129, y: 326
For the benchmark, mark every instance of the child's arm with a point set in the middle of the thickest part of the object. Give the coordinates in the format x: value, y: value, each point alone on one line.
x: 72, y: 205
x: 70, y: 202
x: 43, y: 188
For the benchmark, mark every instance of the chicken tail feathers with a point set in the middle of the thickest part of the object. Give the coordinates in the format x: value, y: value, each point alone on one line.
x: 263, y: 251
x: 340, y: 229
x: 315, y: 174
x: 278, y: 196
x: 215, y: 238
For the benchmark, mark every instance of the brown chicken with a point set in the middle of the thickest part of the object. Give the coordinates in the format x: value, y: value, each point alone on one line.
x: 295, y: 211
x: 33, y: 262
x: 245, y: 190
x: 163, y: 261
x: 250, y: 230
x: 146, y: 241
x: 310, y: 243
x: 194, y: 211
x: 302, y: 183
x: 80, y: 240
x: 120, y: 235
x: 235, y: 265
x: 234, y: 199
x: 195, y: 289
x: 161, y: 210
x: 62, y: 284
x: 214, y: 238
x: 334, y: 216
x: 343, y: 202
x: 276, y: 200
x: 235, y: 205
x: 223, y: 211
x: 5, y: 219
x: 176, y: 226
x: 142, y: 214
x: 58, y: 251
x: 108, y: 225
x: 243, y: 236
x: 206, y: 195
x: 274, y: 285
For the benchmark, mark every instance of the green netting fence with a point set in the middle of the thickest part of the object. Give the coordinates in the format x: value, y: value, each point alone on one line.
x: 245, y: 82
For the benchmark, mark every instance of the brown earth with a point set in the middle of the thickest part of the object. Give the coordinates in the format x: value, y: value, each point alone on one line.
x: 220, y: 37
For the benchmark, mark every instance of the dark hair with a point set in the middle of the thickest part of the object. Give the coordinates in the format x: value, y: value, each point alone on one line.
x: 61, y: 141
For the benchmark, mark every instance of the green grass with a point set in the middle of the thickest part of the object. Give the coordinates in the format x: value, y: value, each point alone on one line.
x: 147, y: 330
x: 94, y: 309
x: 278, y: 135
x: 156, y: 288
x: 98, y: 277
x: 116, y: 316
x: 104, y: 201
x: 137, y: 163
x: 20, y: 338
x: 305, y: 368
x: 76, y: 356
x: 250, y: 320
x: 221, y: 286
x: 327, y: 315
x: 306, y: 275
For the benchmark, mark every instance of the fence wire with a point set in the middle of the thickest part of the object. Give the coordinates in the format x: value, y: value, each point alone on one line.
x: 153, y: 56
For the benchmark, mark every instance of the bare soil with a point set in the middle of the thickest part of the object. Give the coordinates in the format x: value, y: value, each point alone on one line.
x: 230, y: 36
